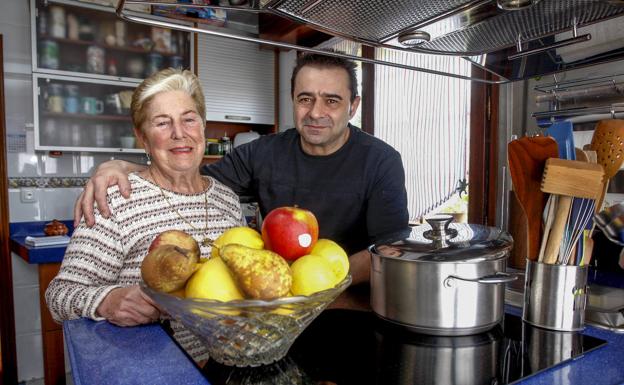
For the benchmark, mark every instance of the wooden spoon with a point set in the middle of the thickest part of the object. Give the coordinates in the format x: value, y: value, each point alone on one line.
x: 608, y: 142
x: 527, y: 157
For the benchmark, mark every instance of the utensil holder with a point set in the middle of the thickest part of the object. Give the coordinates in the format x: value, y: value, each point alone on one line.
x: 555, y: 296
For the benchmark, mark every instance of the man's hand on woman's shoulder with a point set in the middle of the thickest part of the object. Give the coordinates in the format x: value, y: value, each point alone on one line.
x: 107, y: 174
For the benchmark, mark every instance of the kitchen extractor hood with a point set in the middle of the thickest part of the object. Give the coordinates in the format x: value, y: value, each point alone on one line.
x: 514, y: 39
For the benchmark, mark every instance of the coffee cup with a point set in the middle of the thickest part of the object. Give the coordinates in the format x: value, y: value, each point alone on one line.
x: 113, y: 104
x: 55, y: 103
x: 71, y: 105
x: 127, y: 141
x: 91, y: 105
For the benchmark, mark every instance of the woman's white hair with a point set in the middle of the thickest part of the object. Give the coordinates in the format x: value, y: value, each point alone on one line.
x: 169, y: 79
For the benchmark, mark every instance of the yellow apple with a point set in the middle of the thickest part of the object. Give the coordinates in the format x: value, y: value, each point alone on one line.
x: 335, y: 255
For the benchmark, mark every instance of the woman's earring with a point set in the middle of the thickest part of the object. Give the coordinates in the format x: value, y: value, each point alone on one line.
x: 149, y: 159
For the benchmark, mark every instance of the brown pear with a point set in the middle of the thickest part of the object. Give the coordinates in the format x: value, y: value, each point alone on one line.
x: 261, y: 274
x: 168, y: 267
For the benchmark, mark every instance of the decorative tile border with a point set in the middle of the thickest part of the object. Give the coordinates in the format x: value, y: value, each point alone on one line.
x: 55, y: 182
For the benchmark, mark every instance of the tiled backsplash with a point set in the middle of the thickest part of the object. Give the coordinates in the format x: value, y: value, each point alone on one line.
x: 46, y: 203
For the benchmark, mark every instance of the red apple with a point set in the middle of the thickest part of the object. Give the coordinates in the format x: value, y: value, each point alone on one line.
x: 176, y: 238
x: 290, y: 232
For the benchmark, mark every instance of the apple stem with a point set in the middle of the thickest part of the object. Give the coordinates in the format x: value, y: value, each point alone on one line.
x: 182, y: 251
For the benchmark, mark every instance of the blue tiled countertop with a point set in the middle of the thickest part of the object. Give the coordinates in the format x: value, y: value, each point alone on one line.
x: 101, y: 353
x: 20, y: 230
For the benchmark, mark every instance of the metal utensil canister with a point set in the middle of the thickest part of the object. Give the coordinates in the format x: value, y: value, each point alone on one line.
x: 555, y: 296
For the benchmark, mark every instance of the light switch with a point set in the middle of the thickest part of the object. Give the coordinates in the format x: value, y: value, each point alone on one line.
x: 27, y: 195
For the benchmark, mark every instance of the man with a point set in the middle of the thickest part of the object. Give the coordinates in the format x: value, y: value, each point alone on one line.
x: 353, y: 182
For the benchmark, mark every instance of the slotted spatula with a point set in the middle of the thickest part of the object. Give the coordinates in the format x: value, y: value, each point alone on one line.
x: 527, y: 157
x: 608, y: 142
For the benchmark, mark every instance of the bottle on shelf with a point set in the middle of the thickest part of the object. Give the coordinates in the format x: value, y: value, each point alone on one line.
x: 226, y: 144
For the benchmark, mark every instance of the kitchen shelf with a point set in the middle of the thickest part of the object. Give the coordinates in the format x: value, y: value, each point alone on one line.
x: 130, y: 49
x: 86, y: 116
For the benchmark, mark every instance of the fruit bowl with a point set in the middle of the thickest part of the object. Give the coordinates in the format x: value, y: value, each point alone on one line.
x: 247, y: 332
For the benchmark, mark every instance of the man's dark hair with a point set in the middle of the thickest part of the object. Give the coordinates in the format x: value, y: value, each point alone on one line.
x: 323, y: 61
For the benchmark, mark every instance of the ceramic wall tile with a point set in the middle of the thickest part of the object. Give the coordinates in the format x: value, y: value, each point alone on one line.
x: 58, y: 203
x: 28, y: 313
x: 23, y: 212
x: 29, y: 356
x: 24, y: 274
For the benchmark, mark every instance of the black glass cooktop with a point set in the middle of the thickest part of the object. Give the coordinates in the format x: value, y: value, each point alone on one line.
x: 355, y: 347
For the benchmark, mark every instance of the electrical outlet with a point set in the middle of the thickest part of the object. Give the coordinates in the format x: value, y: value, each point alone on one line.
x: 27, y: 195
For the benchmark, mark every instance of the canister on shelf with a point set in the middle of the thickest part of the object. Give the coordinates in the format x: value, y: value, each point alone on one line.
x: 154, y: 63
x: 57, y: 22
x: 71, y: 103
x: 96, y: 59
x: 55, y: 98
x: 42, y: 22
x: 72, y: 27
x: 176, y: 62
x: 49, y: 57
x: 226, y: 144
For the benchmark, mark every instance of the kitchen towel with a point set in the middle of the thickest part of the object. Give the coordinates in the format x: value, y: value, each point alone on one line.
x: 54, y: 240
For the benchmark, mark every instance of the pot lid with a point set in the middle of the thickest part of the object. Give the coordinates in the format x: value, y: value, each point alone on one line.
x: 443, y: 241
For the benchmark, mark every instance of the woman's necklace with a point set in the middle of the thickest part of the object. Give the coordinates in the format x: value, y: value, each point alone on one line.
x: 207, y: 240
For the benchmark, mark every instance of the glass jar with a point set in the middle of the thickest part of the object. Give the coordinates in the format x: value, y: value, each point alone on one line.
x: 226, y: 145
x: 96, y: 59
x: 49, y: 57
x: 57, y: 22
x: 154, y: 63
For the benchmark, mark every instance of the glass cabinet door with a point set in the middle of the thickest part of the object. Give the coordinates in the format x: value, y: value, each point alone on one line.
x: 71, y: 37
x: 83, y: 115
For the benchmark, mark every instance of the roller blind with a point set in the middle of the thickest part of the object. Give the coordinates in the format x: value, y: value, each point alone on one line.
x: 427, y: 119
x: 424, y: 117
x: 238, y: 80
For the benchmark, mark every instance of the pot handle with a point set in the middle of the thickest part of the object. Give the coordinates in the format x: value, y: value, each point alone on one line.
x: 492, y: 279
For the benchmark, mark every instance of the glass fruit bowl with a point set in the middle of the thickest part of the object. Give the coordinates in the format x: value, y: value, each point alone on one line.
x: 247, y: 332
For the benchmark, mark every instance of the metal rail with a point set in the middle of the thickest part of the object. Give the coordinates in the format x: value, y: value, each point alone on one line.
x: 142, y: 20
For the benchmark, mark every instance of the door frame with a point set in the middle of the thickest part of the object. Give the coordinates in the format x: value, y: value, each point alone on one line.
x: 8, y: 365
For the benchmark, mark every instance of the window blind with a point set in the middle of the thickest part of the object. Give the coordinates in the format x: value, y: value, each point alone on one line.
x: 425, y: 117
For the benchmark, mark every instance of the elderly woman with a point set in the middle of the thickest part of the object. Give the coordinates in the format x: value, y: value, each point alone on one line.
x: 100, y: 274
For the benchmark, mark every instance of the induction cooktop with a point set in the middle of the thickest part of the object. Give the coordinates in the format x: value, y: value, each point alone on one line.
x: 356, y: 347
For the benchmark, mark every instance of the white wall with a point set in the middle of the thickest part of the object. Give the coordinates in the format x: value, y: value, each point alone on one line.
x: 23, y: 162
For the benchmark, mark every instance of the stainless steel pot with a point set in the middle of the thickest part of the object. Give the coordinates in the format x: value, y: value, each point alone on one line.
x: 446, y: 279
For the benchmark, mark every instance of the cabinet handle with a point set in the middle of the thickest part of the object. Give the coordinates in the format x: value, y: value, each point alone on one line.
x: 237, y: 117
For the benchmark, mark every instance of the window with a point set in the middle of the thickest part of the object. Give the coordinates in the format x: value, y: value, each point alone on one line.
x: 426, y: 118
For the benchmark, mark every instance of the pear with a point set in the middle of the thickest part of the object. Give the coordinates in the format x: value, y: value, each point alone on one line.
x: 168, y: 267
x: 261, y: 274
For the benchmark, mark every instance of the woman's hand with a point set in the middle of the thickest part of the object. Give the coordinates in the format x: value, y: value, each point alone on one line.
x: 111, y: 173
x: 128, y: 306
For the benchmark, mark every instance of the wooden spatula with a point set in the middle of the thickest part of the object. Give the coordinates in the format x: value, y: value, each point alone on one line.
x: 608, y: 142
x: 569, y: 179
x: 527, y: 157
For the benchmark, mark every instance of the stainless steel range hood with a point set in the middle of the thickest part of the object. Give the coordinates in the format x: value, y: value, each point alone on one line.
x: 513, y: 39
